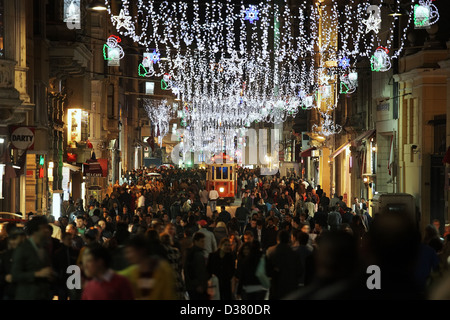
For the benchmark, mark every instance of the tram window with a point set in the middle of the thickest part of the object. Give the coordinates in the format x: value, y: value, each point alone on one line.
x: 212, y: 174
x: 225, y: 173
x: 231, y: 172
x: 218, y: 173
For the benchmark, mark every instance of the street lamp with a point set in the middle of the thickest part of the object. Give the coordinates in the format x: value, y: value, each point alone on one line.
x: 96, y: 5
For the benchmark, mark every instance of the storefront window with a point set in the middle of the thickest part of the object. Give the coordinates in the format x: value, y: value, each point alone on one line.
x: 78, y: 125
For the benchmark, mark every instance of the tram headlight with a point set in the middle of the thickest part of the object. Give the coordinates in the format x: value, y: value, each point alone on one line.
x: 221, y: 189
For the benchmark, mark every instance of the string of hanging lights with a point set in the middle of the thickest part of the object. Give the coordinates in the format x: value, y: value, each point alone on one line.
x: 233, y: 64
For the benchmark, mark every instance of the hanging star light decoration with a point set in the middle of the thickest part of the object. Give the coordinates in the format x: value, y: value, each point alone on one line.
x: 251, y: 14
x: 123, y: 21
x: 196, y: 36
x: 373, y: 23
x: 324, y: 79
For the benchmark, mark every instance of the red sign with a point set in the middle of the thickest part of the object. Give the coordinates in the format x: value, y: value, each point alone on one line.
x: 96, y: 168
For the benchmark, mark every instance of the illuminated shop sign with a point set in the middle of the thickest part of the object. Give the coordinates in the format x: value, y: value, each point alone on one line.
x: 22, y: 138
x: 77, y: 125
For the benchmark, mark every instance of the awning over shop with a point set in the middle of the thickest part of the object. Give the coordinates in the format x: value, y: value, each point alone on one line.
x: 366, y: 135
x: 339, y: 150
x: 96, y: 168
x: 307, y: 152
x: 71, y: 167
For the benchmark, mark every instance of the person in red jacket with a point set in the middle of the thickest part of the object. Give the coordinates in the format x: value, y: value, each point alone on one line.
x: 104, y: 283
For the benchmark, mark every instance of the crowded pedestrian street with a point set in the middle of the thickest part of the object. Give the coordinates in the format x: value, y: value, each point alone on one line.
x: 224, y: 152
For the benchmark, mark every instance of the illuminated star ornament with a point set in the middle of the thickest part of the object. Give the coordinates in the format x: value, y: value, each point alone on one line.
x: 122, y: 20
x: 324, y: 79
x: 251, y: 14
x: 344, y: 62
x: 373, y: 23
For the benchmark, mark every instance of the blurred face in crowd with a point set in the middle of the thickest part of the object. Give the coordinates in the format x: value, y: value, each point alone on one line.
x: 437, y: 224
x: 80, y: 223
x: 171, y: 230
x: 108, y: 219
x: 102, y: 224
x: 226, y: 247
x: 92, y: 267
x: 134, y: 255
x: 200, y: 243
x: 71, y: 229
x: 305, y: 228
x: 15, y: 241
x: 248, y: 238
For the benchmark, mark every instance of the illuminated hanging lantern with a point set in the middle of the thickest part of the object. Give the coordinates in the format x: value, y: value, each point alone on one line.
x: 425, y: 14
x: 146, y: 69
x: 308, y: 102
x: 349, y: 83
x: 166, y: 82
x: 327, y: 127
x: 380, y: 61
x: 112, y: 51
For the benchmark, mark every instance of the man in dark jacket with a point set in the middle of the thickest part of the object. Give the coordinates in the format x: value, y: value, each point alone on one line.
x: 31, y: 269
x: 282, y: 266
x: 195, y: 269
x: 224, y: 215
x: 324, y: 201
x: 241, y: 215
x: 269, y: 236
x: 7, y: 287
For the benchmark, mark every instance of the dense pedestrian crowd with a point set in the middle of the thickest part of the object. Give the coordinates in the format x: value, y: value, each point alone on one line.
x: 160, y: 235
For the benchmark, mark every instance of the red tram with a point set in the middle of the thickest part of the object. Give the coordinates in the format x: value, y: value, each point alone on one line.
x: 222, y: 174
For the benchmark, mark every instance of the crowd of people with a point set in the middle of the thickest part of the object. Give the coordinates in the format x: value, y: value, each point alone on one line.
x: 160, y: 236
